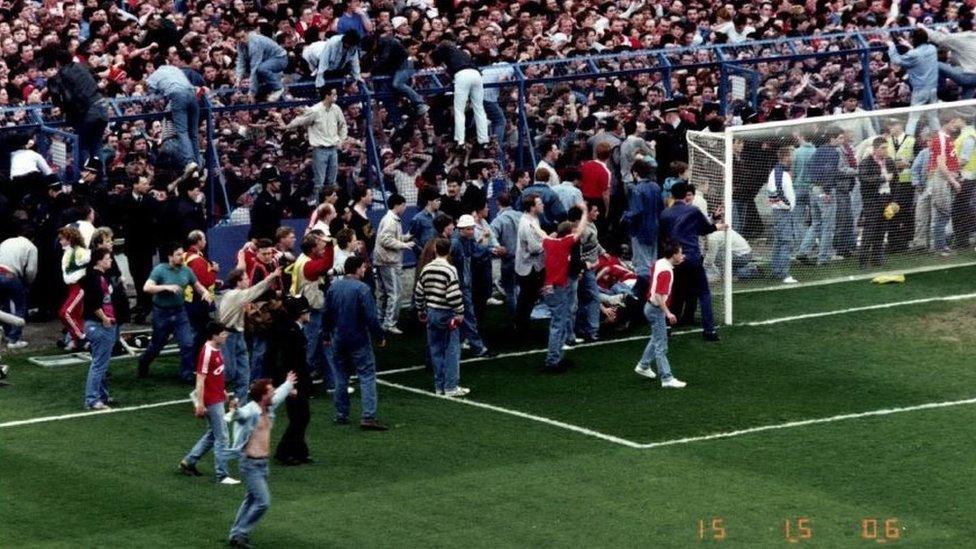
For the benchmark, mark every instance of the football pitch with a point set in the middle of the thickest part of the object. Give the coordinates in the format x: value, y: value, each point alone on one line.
x: 837, y: 415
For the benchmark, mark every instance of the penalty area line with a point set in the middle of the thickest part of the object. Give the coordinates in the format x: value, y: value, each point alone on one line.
x: 48, y: 419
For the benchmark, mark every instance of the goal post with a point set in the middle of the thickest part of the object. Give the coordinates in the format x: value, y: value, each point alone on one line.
x: 838, y: 198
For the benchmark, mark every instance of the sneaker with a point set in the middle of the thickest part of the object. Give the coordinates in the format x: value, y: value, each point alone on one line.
x: 789, y: 280
x: 4, y: 370
x: 673, y: 383
x: 189, y: 470
x: 229, y: 481
x: 242, y: 542
x: 372, y: 424
x: 837, y: 257
x: 457, y: 392
x: 99, y: 406
x: 646, y: 372
x: 495, y: 301
x: 567, y: 347
x: 465, y: 346
x: 190, y: 168
x: 394, y: 330
x: 17, y: 344
x: 423, y: 109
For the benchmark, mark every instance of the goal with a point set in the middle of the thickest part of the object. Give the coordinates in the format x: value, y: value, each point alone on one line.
x: 837, y: 198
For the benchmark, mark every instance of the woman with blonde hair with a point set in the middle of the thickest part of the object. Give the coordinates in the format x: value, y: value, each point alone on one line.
x: 73, y: 262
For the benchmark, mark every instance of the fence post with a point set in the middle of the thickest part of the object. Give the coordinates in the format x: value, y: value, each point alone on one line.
x: 211, y: 161
x: 867, y: 96
x: 372, y: 155
x: 723, y: 83
x: 525, y: 141
x: 668, y: 90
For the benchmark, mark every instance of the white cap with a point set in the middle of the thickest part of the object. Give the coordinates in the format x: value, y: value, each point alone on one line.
x: 399, y: 20
x: 465, y: 222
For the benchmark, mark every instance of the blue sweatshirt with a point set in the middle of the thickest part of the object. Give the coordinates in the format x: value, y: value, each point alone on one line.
x: 644, y: 207
x: 350, y: 314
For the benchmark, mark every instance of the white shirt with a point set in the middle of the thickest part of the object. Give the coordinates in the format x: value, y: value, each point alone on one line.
x: 26, y: 161
x: 787, y: 191
x: 553, y: 176
x: 311, y: 54
x: 326, y: 127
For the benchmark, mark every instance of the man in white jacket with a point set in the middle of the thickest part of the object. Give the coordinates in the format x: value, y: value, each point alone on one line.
x: 388, y: 258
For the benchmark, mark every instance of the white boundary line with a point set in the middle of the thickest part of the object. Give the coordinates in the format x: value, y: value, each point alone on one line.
x: 805, y: 422
x: 90, y: 413
x: 854, y: 278
x: 516, y: 413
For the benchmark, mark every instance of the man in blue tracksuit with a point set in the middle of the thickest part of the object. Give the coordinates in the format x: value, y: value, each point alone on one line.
x: 683, y: 224
x: 643, y: 210
x: 348, y: 320
x: 261, y: 61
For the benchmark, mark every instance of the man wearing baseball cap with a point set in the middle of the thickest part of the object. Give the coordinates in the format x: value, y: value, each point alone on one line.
x: 464, y: 249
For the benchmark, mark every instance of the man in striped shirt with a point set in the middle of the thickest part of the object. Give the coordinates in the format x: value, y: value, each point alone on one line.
x: 439, y: 305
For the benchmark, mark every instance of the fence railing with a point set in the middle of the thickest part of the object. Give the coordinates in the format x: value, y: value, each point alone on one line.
x: 730, y: 60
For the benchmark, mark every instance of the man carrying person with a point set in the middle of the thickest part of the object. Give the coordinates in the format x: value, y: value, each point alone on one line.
x: 18, y: 269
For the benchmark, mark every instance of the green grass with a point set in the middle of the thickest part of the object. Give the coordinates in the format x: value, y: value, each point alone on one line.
x: 450, y: 475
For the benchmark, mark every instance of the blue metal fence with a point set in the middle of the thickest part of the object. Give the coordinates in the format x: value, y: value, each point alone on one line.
x: 738, y: 60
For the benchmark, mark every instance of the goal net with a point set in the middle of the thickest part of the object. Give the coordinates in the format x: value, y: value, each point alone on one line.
x: 838, y: 198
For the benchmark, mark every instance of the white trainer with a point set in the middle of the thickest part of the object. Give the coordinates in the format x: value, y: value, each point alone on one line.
x: 457, y: 392
x: 673, y: 383
x: 567, y: 347
x: 646, y: 372
x: 17, y: 344
x: 99, y: 406
x: 789, y: 280
x: 229, y: 481
x: 394, y: 330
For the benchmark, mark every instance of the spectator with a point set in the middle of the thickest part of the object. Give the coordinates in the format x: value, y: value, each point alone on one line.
x: 394, y: 59
x: 350, y: 319
x: 18, y: 269
x: 437, y: 295
x: 642, y: 217
x: 260, y: 64
x: 388, y: 258
x: 782, y: 199
x: 327, y: 132
x: 173, y: 84
x: 73, y: 89
x: 556, y: 289
x: 100, y: 327
x: 206, y: 272
x: 309, y: 279
x: 553, y: 212
x: 922, y: 65
x: 240, y: 293
x: 505, y: 227
x: 73, y: 262
x: 823, y: 213
x: 466, y: 252
x: 659, y: 316
x: 530, y: 261
x: 876, y: 174
x: 468, y: 84
x: 962, y: 203
x: 339, y: 57
x: 963, y: 49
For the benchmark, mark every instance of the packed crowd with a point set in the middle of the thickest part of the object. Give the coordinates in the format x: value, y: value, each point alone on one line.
x: 605, y: 229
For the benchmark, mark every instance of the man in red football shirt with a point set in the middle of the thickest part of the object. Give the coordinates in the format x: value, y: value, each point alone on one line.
x: 595, y: 181
x: 659, y: 315
x: 208, y: 402
x: 556, y: 289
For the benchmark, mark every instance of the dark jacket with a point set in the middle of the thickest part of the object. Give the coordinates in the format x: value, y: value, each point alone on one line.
x: 643, y: 211
x: 453, y: 58
x: 390, y: 55
x: 74, y: 90
x: 265, y: 215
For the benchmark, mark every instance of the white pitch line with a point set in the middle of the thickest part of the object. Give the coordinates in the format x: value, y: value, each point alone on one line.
x: 805, y: 422
x: 90, y: 413
x: 516, y: 413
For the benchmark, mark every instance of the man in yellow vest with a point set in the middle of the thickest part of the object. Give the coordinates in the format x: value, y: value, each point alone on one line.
x: 308, y: 277
x: 962, y: 202
x: 901, y: 149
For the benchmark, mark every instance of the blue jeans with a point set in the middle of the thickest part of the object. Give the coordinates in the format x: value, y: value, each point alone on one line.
x: 91, y: 131
x: 644, y: 256
x: 401, y: 82
x: 800, y: 213
x: 102, y: 341
x: 13, y: 299
x: 469, y: 327
x: 657, y: 347
x: 254, y: 473
x: 216, y: 438
x: 445, y: 349
x: 267, y: 77
x: 588, y: 314
x: 572, y: 309
x: 325, y: 166
x: 782, y: 242
x: 966, y: 80
x: 558, y: 302
x: 923, y: 97
x: 358, y: 360
x: 176, y: 323
x: 186, y: 122
x: 389, y: 282
x: 739, y: 209
x: 259, y: 346
x: 496, y: 117
x: 823, y: 217
x: 237, y: 370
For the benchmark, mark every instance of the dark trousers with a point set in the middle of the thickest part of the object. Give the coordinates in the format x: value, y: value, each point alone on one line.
x: 902, y: 226
x: 292, y: 445
x: 140, y: 265
x: 691, y: 285
x: 529, y: 288
x: 962, y: 213
x: 91, y: 130
x: 872, y: 240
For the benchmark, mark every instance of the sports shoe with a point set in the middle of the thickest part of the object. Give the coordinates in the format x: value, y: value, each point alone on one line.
x: 4, y: 370
x: 189, y: 470
x: 789, y: 280
x: 567, y: 347
x: 240, y: 542
x: 646, y: 372
x: 190, y: 168
x: 17, y: 344
x: 423, y: 109
x: 457, y: 392
x: 229, y: 481
x: 99, y: 406
x: 485, y: 353
x: 465, y: 346
x: 495, y: 301
x: 673, y: 383
x: 394, y: 330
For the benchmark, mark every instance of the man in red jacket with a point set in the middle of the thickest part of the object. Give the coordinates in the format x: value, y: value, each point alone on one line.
x: 197, y: 309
